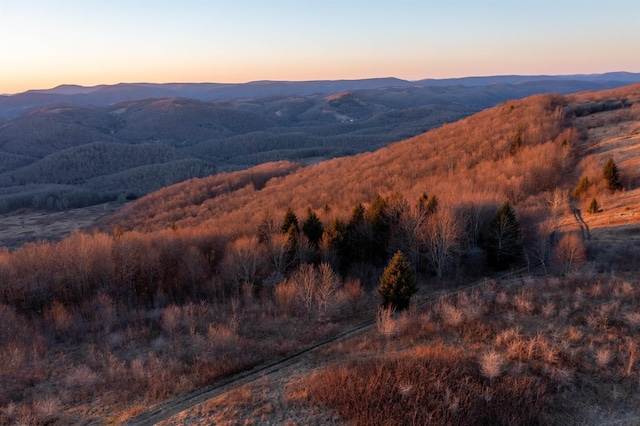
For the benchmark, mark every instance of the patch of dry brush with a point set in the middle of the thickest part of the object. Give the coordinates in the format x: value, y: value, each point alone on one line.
x: 536, y: 351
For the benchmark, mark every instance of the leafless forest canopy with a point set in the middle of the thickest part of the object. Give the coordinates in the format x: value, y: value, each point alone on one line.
x: 217, y: 274
x: 71, y: 146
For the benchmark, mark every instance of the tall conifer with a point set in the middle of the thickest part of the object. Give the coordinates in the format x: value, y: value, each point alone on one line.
x: 397, y: 283
x: 612, y: 175
x: 503, y: 242
x: 313, y: 228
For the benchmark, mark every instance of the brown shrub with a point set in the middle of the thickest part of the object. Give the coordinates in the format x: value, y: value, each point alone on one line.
x: 571, y: 253
x: 491, y: 364
x: 354, y: 292
x: 431, y: 385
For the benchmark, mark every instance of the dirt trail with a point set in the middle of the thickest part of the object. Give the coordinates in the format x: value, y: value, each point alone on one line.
x: 182, y: 403
x: 584, y: 228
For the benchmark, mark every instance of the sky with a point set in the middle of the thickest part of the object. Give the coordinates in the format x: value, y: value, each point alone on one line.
x: 45, y: 43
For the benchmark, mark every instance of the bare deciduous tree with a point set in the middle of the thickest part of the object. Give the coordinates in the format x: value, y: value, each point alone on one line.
x: 443, y: 234
x: 278, y: 252
x: 245, y: 262
x: 571, y: 252
x: 328, y: 284
x: 543, y: 241
x: 305, y: 280
x: 410, y: 236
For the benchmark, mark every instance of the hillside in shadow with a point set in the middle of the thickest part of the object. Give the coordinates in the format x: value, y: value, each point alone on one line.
x: 202, y: 129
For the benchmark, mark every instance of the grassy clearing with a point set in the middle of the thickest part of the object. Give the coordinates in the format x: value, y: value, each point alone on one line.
x: 538, y: 351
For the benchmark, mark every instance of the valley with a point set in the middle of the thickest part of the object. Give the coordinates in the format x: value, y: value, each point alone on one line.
x: 73, y: 146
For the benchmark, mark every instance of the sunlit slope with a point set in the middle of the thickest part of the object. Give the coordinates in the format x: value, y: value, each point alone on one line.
x: 516, y: 151
x: 613, y: 133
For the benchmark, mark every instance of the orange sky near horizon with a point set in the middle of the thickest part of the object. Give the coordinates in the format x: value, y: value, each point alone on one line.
x: 45, y: 43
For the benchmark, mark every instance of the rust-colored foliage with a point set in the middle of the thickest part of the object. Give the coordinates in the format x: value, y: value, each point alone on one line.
x: 137, y: 309
x: 439, y: 385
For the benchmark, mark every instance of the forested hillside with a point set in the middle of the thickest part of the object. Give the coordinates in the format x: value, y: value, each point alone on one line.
x: 486, y: 153
x: 212, y: 128
x: 215, y: 275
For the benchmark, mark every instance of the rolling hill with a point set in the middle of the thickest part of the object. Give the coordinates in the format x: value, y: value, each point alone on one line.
x: 527, y: 302
x: 13, y: 105
x: 213, y: 127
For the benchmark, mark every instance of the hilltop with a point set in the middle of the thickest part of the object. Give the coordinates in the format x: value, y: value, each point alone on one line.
x: 213, y: 276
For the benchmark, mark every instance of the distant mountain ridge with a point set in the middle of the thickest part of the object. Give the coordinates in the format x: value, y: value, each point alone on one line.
x: 621, y: 76
x: 69, y: 94
x: 72, y: 145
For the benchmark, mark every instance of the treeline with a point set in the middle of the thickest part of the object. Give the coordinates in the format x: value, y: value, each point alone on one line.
x: 125, y: 185
x: 595, y: 106
x: 150, y: 177
x: 191, y: 199
x: 176, y: 266
x: 180, y: 121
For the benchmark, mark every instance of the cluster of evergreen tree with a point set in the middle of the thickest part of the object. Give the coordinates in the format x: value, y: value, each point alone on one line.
x: 371, y: 236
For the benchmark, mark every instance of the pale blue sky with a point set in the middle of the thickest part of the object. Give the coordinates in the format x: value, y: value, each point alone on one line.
x: 44, y: 43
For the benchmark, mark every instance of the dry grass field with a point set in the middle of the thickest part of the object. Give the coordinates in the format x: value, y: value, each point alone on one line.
x: 531, y: 350
x: 20, y: 227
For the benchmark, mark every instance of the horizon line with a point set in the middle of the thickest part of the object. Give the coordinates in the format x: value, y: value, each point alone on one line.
x: 318, y: 80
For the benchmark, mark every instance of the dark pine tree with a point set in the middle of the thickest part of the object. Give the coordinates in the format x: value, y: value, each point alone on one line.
x: 503, y: 241
x: 290, y: 219
x: 397, y: 283
x: 380, y: 229
x: 612, y: 175
x: 336, y: 236
x: 312, y: 228
x: 432, y: 205
x: 357, y: 238
x: 581, y: 188
x: 422, y: 201
x: 428, y: 205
